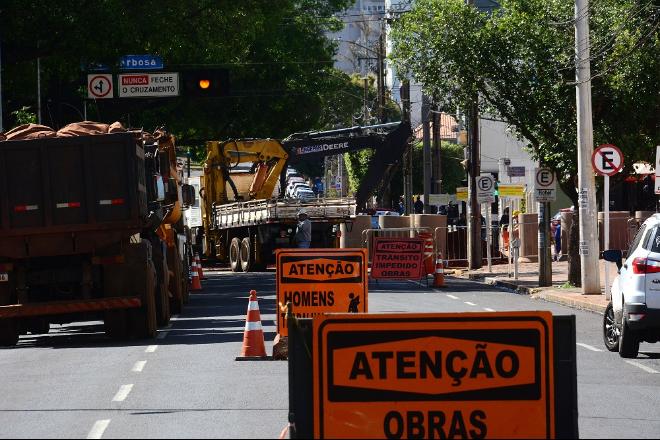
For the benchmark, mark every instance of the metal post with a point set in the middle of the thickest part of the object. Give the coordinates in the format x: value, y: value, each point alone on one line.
x: 545, y: 264
x: 589, y: 252
x: 38, y: 90
x: 474, y: 220
x: 366, y: 100
x: 437, y: 145
x: 407, y: 162
x: 516, y: 251
x: 488, y: 238
x: 381, y: 75
x: 606, y: 240
x: 426, y: 130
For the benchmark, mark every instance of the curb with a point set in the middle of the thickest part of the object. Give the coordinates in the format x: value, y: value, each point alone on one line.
x: 570, y: 302
x: 547, y: 295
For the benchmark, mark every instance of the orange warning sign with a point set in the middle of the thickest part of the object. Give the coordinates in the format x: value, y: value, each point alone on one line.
x: 465, y: 375
x: 397, y: 258
x: 320, y: 281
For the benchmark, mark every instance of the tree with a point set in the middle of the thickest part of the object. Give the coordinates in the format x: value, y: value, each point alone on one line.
x: 280, y: 62
x: 519, y: 61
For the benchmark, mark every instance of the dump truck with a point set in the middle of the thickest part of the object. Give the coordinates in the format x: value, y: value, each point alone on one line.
x: 90, y: 229
x: 243, y: 225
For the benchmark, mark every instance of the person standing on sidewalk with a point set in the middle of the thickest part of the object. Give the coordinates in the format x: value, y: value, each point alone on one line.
x: 557, y: 255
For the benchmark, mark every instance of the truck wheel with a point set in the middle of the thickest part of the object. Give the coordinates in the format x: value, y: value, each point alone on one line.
x: 162, y: 286
x: 234, y: 255
x: 184, y: 281
x: 143, y: 320
x: 610, y: 330
x: 176, y: 302
x: 247, y: 259
x: 628, y: 342
x: 8, y: 333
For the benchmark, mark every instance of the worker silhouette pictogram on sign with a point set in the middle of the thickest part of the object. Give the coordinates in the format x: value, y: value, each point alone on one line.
x: 353, y: 305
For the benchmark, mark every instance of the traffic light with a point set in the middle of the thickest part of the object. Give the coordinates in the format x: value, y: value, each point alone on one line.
x: 209, y: 83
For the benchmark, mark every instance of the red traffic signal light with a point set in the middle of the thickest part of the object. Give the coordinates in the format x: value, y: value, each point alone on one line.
x: 206, y: 82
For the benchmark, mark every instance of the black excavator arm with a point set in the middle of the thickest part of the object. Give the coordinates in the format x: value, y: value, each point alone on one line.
x: 387, y: 140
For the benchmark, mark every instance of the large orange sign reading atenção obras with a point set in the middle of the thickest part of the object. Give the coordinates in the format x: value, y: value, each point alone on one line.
x: 465, y: 375
x: 318, y: 281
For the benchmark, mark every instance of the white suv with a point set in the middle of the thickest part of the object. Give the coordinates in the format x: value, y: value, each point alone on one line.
x: 633, y: 315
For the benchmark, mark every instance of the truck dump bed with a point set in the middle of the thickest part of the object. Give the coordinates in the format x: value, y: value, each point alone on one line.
x: 258, y: 212
x: 69, y: 195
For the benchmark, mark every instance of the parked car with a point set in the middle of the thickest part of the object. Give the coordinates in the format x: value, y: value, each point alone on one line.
x: 633, y: 315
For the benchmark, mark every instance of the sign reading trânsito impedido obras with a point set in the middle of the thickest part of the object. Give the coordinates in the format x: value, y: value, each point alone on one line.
x: 318, y: 281
x: 460, y: 375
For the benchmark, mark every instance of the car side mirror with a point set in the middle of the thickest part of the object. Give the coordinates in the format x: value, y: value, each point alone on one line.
x: 613, y: 256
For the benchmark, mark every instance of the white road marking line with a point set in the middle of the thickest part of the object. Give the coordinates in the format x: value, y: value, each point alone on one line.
x: 452, y: 296
x: 469, y: 303
x: 162, y: 335
x: 488, y: 309
x: 98, y: 429
x: 151, y: 349
x: 588, y: 347
x: 122, y: 394
x: 643, y: 367
x: 139, y: 366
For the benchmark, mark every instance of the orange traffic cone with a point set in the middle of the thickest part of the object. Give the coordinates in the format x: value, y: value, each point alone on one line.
x: 195, y: 285
x: 199, y: 267
x: 254, y: 347
x: 439, y: 276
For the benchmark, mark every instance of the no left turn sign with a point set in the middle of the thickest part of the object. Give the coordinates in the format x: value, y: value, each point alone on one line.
x: 99, y: 86
x: 607, y: 160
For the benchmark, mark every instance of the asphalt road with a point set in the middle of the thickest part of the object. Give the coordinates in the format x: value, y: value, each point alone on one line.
x: 75, y: 383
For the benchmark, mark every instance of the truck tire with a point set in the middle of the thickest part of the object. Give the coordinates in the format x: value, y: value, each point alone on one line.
x: 234, y: 255
x: 162, y: 286
x: 185, y: 282
x: 142, y: 321
x: 8, y: 332
x: 176, y: 286
x: 246, y: 257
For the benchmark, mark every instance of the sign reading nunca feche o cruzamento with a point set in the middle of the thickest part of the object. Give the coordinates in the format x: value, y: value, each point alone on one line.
x: 318, y: 281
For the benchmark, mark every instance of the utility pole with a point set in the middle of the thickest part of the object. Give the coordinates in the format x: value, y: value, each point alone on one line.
x: 426, y: 131
x: 365, y: 114
x: 407, y: 157
x: 436, y: 184
x: 589, y: 250
x: 474, y: 220
x: 381, y: 75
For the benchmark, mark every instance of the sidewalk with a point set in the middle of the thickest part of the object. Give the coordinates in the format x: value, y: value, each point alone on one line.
x: 528, y: 283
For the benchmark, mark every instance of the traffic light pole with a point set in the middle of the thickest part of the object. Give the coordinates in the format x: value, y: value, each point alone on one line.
x: 474, y: 220
x: 426, y: 130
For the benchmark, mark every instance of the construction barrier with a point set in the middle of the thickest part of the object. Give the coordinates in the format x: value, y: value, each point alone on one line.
x: 195, y: 284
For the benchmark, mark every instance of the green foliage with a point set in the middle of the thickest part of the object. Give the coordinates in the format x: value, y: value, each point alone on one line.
x: 280, y: 62
x: 519, y: 59
x: 24, y: 116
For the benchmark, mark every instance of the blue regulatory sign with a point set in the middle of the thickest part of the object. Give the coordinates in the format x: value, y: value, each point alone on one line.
x: 140, y: 62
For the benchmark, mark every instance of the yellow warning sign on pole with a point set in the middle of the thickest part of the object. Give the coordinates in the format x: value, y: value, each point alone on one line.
x: 318, y: 281
x: 511, y: 190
